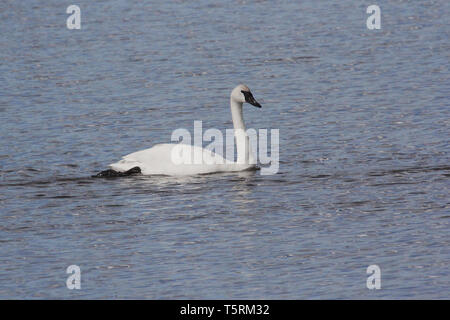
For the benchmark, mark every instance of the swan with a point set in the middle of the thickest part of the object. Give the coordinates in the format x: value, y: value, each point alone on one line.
x: 164, y: 159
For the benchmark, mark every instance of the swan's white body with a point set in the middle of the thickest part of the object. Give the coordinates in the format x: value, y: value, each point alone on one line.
x: 158, y: 160
x: 164, y: 159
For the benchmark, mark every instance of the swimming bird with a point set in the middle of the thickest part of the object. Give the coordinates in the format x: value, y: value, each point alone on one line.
x: 177, y: 159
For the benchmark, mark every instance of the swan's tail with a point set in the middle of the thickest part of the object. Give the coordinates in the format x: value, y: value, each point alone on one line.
x: 125, y: 164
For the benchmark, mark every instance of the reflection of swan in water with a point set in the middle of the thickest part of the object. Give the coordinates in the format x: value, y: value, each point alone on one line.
x: 161, y: 182
x: 160, y: 159
x: 243, y: 190
x: 238, y: 186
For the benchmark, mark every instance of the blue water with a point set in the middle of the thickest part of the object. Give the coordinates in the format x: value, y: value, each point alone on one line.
x: 364, y: 149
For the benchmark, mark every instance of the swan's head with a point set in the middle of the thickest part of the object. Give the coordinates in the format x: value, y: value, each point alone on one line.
x: 243, y: 94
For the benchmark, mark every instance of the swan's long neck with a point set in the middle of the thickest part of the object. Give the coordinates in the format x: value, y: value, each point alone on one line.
x: 244, y: 153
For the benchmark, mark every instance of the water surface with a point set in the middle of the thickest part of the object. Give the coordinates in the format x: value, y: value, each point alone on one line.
x: 364, y: 150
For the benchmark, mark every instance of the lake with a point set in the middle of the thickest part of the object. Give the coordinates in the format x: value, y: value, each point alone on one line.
x: 364, y: 168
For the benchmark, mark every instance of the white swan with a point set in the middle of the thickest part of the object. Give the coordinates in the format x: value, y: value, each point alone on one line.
x: 164, y: 159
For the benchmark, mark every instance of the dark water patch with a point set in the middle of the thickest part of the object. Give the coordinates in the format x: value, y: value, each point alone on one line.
x: 320, y: 176
x: 394, y: 183
x: 62, y: 197
x: 46, y: 182
x: 405, y: 171
x: 110, y: 173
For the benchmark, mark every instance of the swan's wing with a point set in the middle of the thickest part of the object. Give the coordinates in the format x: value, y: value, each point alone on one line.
x: 153, y: 160
x: 139, y: 159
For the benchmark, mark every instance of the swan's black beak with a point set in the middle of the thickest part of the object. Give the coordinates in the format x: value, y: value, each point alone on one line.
x: 249, y: 99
